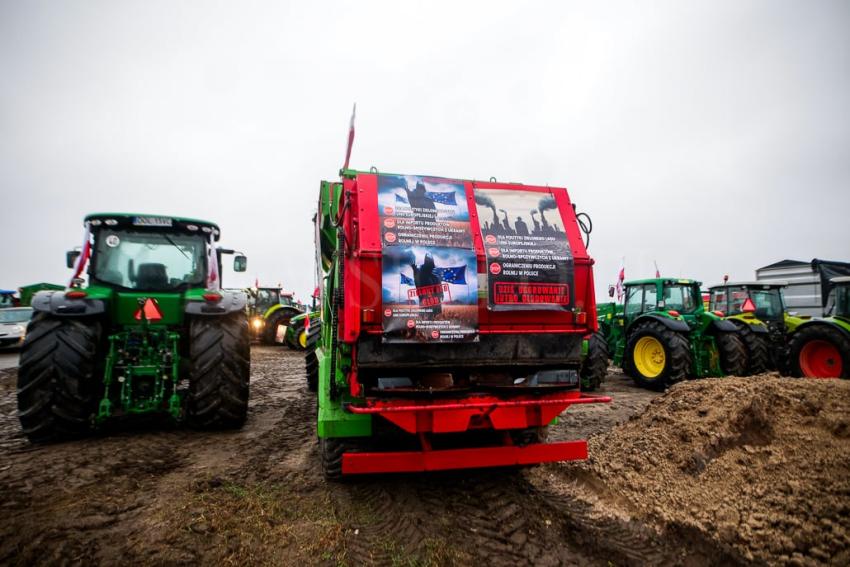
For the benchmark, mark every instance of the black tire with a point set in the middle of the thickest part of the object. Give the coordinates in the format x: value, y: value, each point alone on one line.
x: 594, y: 367
x: 677, y: 355
x: 279, y: 317
x: 311, y: 363
x: 757, y: 346
x: 58, y: 378
x: 332, y: 450
x: 733, y: 354
x: 820, y: 332
x: 220, y: 371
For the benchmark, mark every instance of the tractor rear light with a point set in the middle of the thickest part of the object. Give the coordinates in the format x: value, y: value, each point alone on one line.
x: 75, y: 294
x: 581, y: 318
x: 673, y: 313
x: 212, y: 297
x: 720, y: 313
x: 368, y: 315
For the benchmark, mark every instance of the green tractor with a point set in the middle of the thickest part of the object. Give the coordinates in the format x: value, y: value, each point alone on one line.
x: 663, y: 334
x: 758, y: 310
x: 269, y: 308
x: 151, y: 334
x: 820, y: 347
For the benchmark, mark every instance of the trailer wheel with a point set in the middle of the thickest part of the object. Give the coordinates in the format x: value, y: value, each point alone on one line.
x: 57, y: 378
x: 594, y: 367
x: 757, y: 349
x: 311, y: 362
x: 332, y: 449
x: 820, y: 351
x: 656, y: 356
x: 220, y: 371
x: 733, y: 354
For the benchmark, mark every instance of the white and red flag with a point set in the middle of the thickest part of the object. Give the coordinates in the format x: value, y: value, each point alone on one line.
x: 214, y: 275
x: 657, y: 271
x: 83, y: 258
x: 350, y: 137
x: 621, y: 277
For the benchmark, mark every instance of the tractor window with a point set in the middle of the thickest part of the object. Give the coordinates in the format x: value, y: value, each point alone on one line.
x: 838, y: 303
x: 681, y: 298
x: 267, y: 298
x: 768, y: 303
x: 650, y: 298
x: 719, y: 300
x: 149, y: 260
x: 634, y: 298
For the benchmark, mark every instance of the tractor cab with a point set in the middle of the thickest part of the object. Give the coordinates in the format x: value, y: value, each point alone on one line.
x: 673, y: 298
x: 761, y: 300
x: 838, y: 302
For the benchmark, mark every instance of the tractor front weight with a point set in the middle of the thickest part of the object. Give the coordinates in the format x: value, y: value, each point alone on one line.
x: 145, y: 362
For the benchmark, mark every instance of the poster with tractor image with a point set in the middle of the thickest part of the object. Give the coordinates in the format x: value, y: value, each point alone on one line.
x: 529, y: 260
x: 429, y: 271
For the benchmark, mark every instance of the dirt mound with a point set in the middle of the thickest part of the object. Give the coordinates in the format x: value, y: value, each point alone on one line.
x: 757, y: 467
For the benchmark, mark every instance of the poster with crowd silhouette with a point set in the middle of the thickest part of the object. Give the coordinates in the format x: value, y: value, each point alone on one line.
x: 429, y: 270
x: 529, y: 260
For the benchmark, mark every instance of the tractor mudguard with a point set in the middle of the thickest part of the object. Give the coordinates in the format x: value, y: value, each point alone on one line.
x: 672, y: 324
x: 759, y: 329
x: 723, y: 326
x: 231, y: 302
x: 833, y: 323
x: 55, y: 303
x: 280, y: 307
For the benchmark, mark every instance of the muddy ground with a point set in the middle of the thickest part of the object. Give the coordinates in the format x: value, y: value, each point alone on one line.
x: 256, y: 496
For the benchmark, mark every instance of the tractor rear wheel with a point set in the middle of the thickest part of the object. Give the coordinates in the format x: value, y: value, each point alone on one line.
x: 656, y: 356
x: 758, y: 349
x: 733, y: 354
x: 594, y: 367
x: 820, y: 351
x: 220, y: 370
x: 275, y: 320
x: 57, y: 378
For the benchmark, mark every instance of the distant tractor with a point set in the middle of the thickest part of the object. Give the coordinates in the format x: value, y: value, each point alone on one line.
x: 820, y: 348
x: 270, y: 309
x: 151, y: 333
x: 663, y: 334
x: 758, y: 310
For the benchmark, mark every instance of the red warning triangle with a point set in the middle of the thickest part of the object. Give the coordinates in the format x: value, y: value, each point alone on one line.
x: 748, y: 306
x: 151, y: 311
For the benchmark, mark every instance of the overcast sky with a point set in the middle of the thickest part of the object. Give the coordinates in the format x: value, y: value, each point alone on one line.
x: 713, y: 137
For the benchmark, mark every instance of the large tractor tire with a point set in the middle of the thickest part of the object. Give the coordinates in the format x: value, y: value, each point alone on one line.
x: 220, y: 370
x: 594, y: 367
x: 332, y: 449
x: 733, y: 354
x: 758, y: 348
x: 311, y: 361
x: 820, y: 351
x: 279, y: 317
x: 656, y: 356
x: 58, y: 379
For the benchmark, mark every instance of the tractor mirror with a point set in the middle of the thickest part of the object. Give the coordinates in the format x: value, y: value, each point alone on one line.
x: 611, y: 290
x: 71, y: 257
x: 240, y: 263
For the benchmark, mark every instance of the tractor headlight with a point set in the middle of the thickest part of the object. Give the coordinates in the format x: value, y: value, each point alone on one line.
x: 257, y: 322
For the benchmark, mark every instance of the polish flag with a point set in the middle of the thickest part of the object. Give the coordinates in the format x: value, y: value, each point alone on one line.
x: 83, y: 258
x: 350, y: 137
x: 657, y: 271
x: 214, y: 276
x: 621, y: 277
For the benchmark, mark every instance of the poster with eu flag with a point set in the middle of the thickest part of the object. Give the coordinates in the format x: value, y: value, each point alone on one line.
x: 429, y: 267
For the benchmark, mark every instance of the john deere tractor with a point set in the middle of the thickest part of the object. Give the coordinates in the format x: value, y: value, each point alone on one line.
x: 820, y: 347
x: 151, y: 333
x: 758, y: 310
x: 663, y: 334
x: 270, y: 308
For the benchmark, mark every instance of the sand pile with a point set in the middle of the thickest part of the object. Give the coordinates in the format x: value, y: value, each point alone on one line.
x: 759, y: 466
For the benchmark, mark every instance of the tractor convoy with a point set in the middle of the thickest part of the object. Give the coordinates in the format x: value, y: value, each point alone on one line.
x: 454, y: 321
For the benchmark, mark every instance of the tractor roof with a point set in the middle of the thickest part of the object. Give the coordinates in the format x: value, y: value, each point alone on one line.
x: 146, y: 221
x: 668, y: 281
x: 761, y: 284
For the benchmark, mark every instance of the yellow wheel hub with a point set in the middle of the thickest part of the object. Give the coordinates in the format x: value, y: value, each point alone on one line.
x: 649, y: 357
x: 302, y: 339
